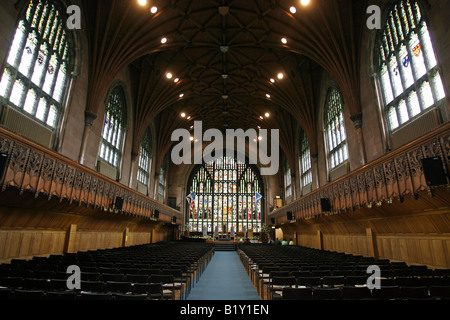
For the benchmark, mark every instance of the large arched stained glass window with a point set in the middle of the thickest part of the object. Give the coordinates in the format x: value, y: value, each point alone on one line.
x: 335, y: 129
x: 407, y: 65
x: 227, y: 194
x: 37, y: 70
x: 114, y: 127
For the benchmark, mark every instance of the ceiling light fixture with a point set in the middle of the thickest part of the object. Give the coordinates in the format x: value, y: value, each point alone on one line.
x: 164, y: 40
x: 293, y: 9
x: 176, y: 80
x: 272, y: 80
x: 181, y: 95
x: 304, y: 2
x: 154, y: 10
x: 169, y: 75
x: 142, y: 2
x: 280, y: 76
x: 267, y: 115
x: 268, y: 96
x: 183, y: 115
x: 284, y: 40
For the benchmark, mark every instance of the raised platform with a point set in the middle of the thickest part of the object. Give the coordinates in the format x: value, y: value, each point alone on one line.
x: 225, y: 245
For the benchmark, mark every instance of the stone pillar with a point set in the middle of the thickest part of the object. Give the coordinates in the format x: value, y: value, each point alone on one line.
x: 357, y: 121
x: 315, y: 170
x: 89, y: 118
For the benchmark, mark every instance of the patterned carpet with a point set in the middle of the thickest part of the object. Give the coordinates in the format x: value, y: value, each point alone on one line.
x: 225, y: 278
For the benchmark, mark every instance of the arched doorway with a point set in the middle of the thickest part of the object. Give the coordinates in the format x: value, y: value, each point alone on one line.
x: 227, y: 193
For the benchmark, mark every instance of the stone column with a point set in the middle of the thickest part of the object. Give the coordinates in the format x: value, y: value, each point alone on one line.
x: 89, y: 118
x: 357, y: 121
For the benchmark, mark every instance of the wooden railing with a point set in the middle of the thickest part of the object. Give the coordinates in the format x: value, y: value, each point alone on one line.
x: 31, y: 168
x: 395, y: 175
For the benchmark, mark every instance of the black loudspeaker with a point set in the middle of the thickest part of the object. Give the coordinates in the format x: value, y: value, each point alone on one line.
x: 119, y: 203
x: 434, y: 171
x: 156, y: 214
x: 289, y: 215
x: 3, y: 161
x: 174, y: 219
x: 272, y: 220
x: 325, y: 205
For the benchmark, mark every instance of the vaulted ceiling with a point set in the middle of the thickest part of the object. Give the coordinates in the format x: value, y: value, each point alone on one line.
x: 224, y: 54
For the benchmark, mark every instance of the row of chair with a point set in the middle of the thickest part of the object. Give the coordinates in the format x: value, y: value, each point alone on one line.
x: 271, y: 266
x: 364, y: 293
x: 130, y: 271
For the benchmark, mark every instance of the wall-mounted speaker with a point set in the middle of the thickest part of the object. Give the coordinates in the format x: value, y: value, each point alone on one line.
x: 119, y: 203
x: 289, y: 215
x: 325, y: 205
x: 272, y: 220
x: 434, y: 171
x: 156, y: 214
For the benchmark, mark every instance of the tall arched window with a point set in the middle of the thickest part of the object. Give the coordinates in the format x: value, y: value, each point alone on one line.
x: 305, y: 160
x: 144, y: 159
x: 407, y: 65
x: 287, y: 180
x: 114, y: 127
x: 38, y: 67
x: 227, y: 193
x: 162, y: 180
x: 335, y: 129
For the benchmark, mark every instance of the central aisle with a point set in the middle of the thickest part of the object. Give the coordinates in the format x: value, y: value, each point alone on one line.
x: 225, y: 278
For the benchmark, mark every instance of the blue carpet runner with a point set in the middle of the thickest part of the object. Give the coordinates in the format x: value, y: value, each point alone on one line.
x: 225, y: 278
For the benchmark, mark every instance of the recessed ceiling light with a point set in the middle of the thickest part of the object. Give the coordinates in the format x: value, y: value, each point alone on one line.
x: 181, y: 95
x: 293, y: 9
x: 188, y: 118
x: 268, y: 96
x: 272, y: 80
x: 169, y: 75
x: 142, y: 2
x: 284, y: 40
x: 267, y: 114
x: 164, y: 40
x: 183, y: 115
x: 261, y: 117
x: 304, y: 2
x: 154, y: 10
x: 280, y: 76
x: 176, y: 80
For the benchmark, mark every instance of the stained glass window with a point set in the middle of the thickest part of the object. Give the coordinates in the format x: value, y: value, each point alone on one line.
x: 226, y: 196
x: 287, y: 180
x: 409, y: 76
x: 37, y: 70
x: 162, y: 181
x: 305, y: 160
x: 144, y: 159
x: 335, y: 129
x: 114, y: 127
